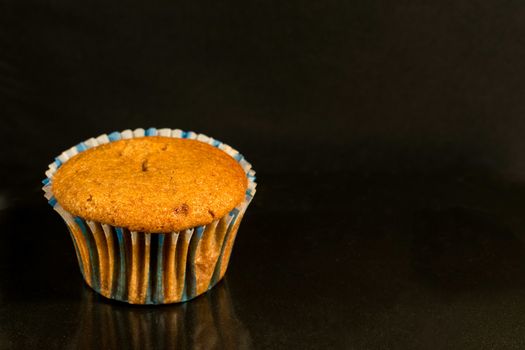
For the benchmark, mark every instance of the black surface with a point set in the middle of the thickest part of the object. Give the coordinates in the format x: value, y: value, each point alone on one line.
x: 388, y: 142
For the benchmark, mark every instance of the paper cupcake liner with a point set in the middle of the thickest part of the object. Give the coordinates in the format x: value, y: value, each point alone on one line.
x: 152, y: 268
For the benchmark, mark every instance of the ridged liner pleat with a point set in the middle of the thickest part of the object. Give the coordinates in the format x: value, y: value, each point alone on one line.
x: 119, y: 264
x: 152, y: 268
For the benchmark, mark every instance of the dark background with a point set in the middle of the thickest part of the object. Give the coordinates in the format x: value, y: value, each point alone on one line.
x: 388, y: 141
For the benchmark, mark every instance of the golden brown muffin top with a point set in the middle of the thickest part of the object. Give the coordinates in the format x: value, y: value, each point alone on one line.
x: 151, y: 184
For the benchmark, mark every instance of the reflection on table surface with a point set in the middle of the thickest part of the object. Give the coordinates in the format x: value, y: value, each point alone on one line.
x: 207, y: 322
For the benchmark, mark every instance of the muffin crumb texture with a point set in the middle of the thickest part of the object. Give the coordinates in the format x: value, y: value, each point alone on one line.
x: 151, y: 184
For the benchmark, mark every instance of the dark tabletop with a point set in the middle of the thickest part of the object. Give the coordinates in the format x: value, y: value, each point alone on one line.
x: 388, y: 140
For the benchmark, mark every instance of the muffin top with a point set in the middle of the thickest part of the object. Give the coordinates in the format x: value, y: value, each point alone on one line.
x: 151, y: 184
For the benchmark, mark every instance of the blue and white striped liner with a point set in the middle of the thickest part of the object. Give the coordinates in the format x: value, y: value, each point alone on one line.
x: 151, y: 268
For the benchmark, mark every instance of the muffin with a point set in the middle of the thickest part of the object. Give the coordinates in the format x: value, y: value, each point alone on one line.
x: 153, y: 214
